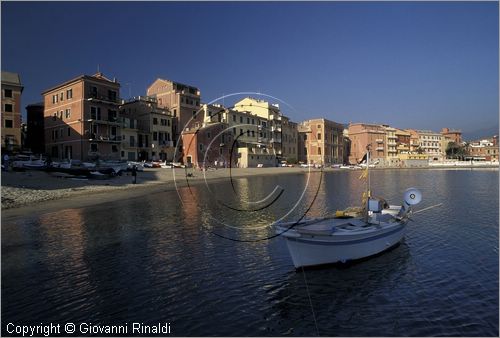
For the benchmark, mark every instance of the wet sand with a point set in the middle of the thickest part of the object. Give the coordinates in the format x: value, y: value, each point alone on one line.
x: 37, y: 191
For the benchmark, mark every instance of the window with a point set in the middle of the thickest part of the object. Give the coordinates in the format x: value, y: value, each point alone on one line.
x: 319, y: 136
x: 209, y: 135
x: 241, y: 119
x: 112, y: 115
x: 319, y: 150
x: 155, y: 136
x: 69, y: 94
x: 9, y: 124
x: 155, y: 120
x: 8, y: 108
x: 248, y: 132
x: 132, y: 141
x: 253, y: 121
x: 234, y: 118
x: 114, y: 148
x: 163, y: 122
x: 62, y: 96
x: 54, y: 117
x: 234, y: 131
x: 93, y: 147
x: 253, y: 133
x: 7, y: 92
x: 175, y: 112
x: 69, y: 131
x: 67, y: 113
x: 319, y: 126
x: 61, y: 113
x: 194, y: 112
x: 112, y: 95
x: 248, y: 120
x: 241, y: 131
x: 201, y: 146
x: 55, y: 98
x: 93, y: 91
x: 95, y: 113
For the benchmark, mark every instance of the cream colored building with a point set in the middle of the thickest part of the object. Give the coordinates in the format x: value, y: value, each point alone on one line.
x: 154, y: 129
x: 251, y: 157
x: 431, y: 143
x: 271, y: 115
x: 392, y: 158
x: 129, y: 149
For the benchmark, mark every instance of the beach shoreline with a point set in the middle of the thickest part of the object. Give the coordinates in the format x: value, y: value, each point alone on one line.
x: 34, y: 192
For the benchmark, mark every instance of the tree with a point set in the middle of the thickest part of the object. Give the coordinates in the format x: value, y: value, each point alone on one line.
x: 455, y: 150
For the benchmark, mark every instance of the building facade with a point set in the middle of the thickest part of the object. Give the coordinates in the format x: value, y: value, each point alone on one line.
x: 362, y: 135
x: 271, y: 122
x: 153, y: 127
x: 11, y: 111
x: 183, y: 101
x: 431, y: 144
x: 81, y: 119
x: 35, y: 138
x: 289, y: 140
x: 209, y: 145
x: 321, y: 142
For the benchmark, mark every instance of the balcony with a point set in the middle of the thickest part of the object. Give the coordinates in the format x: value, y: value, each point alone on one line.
x: 166, y: 143
x: 114, y: 121
x: 96, y: 97
x: 275, y: 140
x: 380, y: 148
x: 379, y: 140
x: 391, y: 143
x: 104, y: 138
x: 276, y: 129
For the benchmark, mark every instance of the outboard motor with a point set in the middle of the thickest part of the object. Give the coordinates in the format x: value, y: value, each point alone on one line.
x: 412, y: 196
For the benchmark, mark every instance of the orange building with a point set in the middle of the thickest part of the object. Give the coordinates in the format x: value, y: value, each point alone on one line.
x: 209, y: 143
x: 321, y: 141
x: 11, y: 111
x: 452, y: 135
x: 81, y: 119
x: 362, y: 134
x: 183, y: 101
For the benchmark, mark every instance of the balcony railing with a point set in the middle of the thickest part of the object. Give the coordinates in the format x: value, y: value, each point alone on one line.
x: 104, y: 138
x: 379, y: 140
x: 166, y: 143
x: 104, y: 98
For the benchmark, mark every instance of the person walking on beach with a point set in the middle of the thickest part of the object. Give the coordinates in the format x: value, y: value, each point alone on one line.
x: 134, y: 173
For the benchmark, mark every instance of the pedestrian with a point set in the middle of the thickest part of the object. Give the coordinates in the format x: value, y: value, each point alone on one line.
x: 134, y: 173
x: 6, y: 159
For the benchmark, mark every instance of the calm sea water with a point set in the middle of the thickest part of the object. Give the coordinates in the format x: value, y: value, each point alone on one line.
x: 199, y: 259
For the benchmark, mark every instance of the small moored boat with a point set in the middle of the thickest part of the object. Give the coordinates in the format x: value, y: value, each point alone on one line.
x: 349, y: 235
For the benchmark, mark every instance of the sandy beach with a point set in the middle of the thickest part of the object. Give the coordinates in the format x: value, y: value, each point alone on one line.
x: 28, y: 191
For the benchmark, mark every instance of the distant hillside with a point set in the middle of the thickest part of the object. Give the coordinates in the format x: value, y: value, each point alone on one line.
x: 479, y: 134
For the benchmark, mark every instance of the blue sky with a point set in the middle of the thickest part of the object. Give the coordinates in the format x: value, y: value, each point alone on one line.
x: 424, y: 65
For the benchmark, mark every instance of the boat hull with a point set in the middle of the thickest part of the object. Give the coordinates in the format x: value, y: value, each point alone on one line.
x: 319, y: 250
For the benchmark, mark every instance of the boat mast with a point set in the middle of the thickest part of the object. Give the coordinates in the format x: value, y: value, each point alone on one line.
x: 368, y: 191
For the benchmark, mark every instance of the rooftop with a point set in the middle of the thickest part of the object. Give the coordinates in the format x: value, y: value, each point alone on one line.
x: 11, y: 78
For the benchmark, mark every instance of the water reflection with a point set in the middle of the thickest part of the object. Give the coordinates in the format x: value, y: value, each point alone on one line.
x: 154, y: 258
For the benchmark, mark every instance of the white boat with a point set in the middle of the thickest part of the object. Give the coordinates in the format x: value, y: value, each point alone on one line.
x: 349, y: 235
x: 28, y: 162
